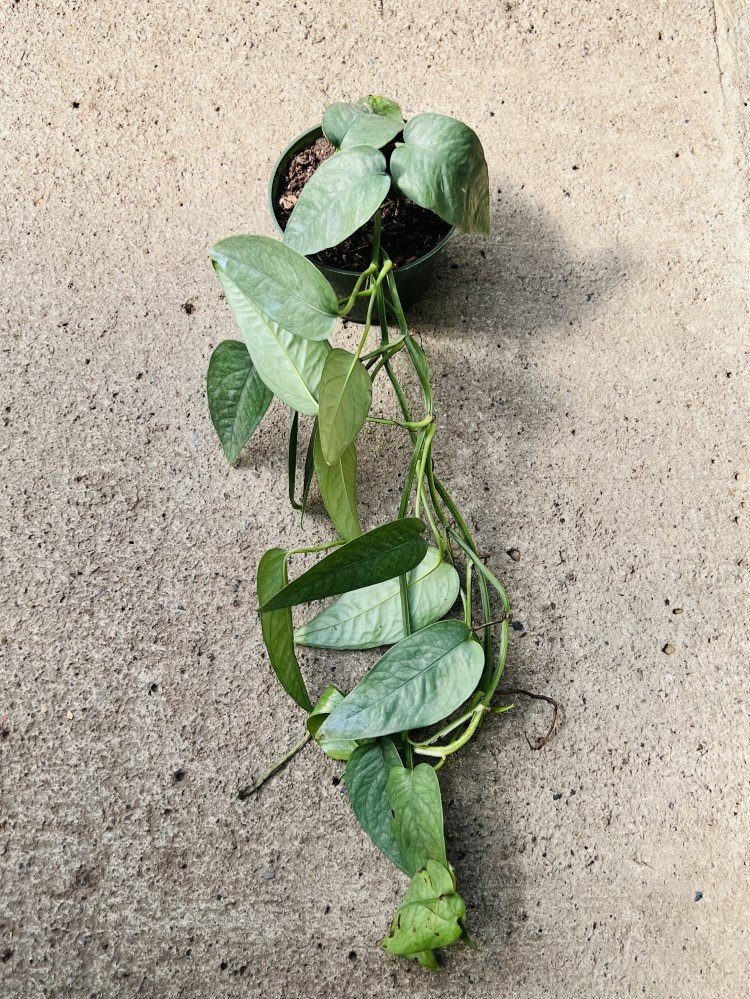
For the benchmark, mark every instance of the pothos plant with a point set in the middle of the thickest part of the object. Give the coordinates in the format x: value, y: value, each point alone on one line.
x: 426, y: 697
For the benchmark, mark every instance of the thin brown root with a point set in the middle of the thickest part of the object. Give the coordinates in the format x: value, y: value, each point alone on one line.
x: 541, y: 742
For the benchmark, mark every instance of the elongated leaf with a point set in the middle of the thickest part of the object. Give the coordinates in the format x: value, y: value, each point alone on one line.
x: 290, y: 366
x: 343, y: 193
x: 416, y: 683
x: 414, y: 797
x: 309, y: 468
x: 371, y: 617
x: 281, y: 283
x: 344, y: 402
x: 441, y: 166
x: 387, y: 551
x: 292, y: 459
x: 366, y: 780
x: 237, y: 397
x: 431, y: 916
x: 359, y: 124
x: 380, y: 105
x: 336, y: 749
x: 277, y: 629
x: 338, y: 487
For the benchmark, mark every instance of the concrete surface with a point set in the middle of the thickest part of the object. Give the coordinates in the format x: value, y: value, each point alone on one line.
x: 591, y: 364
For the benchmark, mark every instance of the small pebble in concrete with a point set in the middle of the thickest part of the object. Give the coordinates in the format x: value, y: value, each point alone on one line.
x: 514, y: 553
x: 669, y: 649
x: 698, y: 896
x: 678, y: 611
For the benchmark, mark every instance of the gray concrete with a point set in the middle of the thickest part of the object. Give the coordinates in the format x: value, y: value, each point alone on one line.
x: 591, y: 364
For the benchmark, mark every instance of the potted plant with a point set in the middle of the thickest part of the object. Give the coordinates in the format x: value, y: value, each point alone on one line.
x: 395, y: 585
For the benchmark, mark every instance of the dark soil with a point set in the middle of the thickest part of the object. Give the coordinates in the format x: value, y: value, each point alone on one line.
x: 408, y: 230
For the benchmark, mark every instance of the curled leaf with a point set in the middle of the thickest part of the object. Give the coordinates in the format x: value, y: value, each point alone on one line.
x: 336, y: 749
x: 277, y: 628
x: 431, y: 916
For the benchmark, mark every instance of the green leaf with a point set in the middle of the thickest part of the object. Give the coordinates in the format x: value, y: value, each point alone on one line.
x: 359, y: 124
x: 343, y: 193
x: 416, y: 683
x: 431, y: 916
x: 338, y: 487
x: 344, y: 402
x: 441, y: 166
x: 237, y: 398
x: 336, y: 749
x: 292, y: 459
x: 307, y: 476
x: 290, y: 366
x: 281, y: 283
x: 380, y: 105
x: 371, y: 617
x: 414, y: 797
x: 387, y: 551
x: 277, y: 629
x: 366, y: 779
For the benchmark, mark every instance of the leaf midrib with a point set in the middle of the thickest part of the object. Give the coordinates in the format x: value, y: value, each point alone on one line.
x: 292, y: 294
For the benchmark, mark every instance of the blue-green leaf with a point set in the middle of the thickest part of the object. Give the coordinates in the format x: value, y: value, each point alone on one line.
x: 281, y: 283
x: 441, y: 166
x: 414, y: 797
x: 237, y: 397
x: 343, y: 193
x: 338, y: 488
x: 366, y: 780
x: 359, y: 124
x: 367, y: 618
x: 344, y: 402
x: 415, y: 684
x: 290, y: 366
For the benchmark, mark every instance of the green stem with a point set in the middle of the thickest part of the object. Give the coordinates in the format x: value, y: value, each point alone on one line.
x: 350, y: 302
x: 420, y: 425
x: 245, y: 792
x: 316, y: 548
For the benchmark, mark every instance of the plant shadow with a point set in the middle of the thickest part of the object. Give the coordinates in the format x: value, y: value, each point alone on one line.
x: 492, y: 310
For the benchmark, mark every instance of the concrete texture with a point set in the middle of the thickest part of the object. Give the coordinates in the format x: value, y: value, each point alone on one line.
x: 591, y: 365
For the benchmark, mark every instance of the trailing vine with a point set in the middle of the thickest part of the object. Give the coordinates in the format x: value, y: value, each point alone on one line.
x: 395, y: 585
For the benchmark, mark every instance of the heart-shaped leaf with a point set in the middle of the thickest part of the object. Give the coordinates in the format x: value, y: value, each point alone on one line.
x: 338, y: 487
x: 372, y: 616
x: 290, y: 366
x: 431, y: 916
x: 281, y: 283
x: 343, y: 193
x: 414, y: 797
x: 359, y: 124
x: 335, y: 749
x: 416, y: 683
x: 441, y: 166
x: 389, y: 550
x: 344, y: 402
x: 366, y: 780
x: 277, y: 630
x: 237, y: 397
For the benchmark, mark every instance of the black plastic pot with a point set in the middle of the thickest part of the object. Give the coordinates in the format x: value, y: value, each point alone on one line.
x: 411, y: 279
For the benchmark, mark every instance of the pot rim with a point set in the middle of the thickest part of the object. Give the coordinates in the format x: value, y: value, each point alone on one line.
x: 315, y: 133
